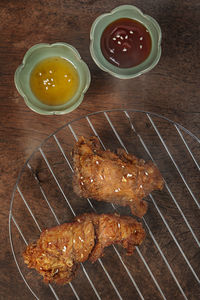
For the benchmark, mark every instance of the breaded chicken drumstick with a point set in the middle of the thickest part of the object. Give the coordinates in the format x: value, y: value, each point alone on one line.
x: 118, y: 178
x: 57, y: 253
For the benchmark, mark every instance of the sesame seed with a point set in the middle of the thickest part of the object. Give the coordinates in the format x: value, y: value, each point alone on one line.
x: 129, y: 175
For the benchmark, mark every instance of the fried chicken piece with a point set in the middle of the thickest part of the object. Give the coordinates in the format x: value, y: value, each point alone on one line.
x: 114, y: 229
x: 59, y: 250
x: 118, y: 178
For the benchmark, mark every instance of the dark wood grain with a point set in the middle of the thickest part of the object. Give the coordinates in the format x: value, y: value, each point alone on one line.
x: 171, y: 89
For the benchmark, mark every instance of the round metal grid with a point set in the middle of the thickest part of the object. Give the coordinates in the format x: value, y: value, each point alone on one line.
x: 167, y: 264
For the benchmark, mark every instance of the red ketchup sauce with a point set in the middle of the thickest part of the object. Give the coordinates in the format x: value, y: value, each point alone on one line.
x: 125, y: 43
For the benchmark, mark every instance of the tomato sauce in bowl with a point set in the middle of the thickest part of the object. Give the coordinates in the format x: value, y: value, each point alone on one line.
x: 126, y: 43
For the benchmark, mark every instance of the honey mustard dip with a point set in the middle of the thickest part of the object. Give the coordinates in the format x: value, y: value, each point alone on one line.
x: 54, y: 81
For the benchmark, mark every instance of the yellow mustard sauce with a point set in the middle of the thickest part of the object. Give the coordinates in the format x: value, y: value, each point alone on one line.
x: 54, y: 81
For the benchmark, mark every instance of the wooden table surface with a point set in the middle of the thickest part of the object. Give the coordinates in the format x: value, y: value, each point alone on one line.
x: 170, y: 89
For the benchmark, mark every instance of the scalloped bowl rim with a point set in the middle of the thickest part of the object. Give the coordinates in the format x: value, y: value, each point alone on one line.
x: 54, y: 110
x: 111, y: 13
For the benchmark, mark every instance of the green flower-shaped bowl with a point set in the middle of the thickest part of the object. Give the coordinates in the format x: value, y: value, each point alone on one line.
x: 131, y: 12
x: 38, y: 53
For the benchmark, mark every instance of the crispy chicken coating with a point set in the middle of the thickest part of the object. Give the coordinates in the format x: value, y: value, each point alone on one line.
x: 57, y: 253
x: 60, y: 249
x: 118, y: 178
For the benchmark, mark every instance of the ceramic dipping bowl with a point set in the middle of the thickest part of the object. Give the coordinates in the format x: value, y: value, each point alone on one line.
x: 128, y: 12
x: 36, y: 54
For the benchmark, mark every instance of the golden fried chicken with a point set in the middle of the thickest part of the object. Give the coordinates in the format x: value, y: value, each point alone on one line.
x: 115, y: 229
x: 118, y: 178
x: 59, y: 250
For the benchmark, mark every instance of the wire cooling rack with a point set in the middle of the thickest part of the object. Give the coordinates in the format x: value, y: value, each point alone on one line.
x: 167, y: 264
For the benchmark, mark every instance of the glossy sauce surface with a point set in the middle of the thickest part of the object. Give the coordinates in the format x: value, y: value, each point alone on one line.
x: 54, y: 81
x: 126, y: 43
